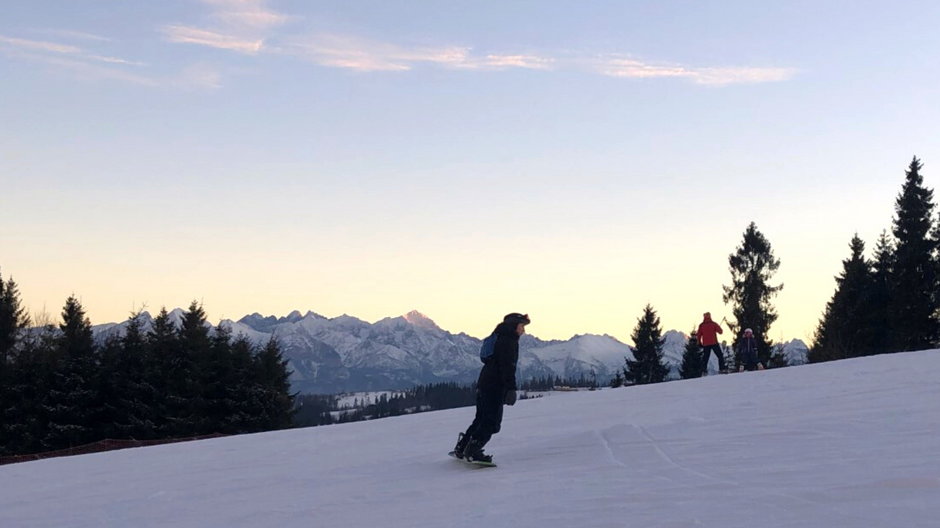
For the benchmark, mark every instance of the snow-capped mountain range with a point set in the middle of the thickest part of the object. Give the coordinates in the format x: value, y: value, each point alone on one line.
x: 344, y: 354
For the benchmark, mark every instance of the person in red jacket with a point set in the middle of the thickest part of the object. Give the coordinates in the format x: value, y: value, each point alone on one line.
x: 708, y: 337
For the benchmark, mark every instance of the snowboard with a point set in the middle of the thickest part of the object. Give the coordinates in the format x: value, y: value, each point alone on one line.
x: 477, y: 463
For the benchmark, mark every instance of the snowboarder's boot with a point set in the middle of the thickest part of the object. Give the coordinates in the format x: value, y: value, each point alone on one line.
x: 462, y: 441
x: 473, y: 452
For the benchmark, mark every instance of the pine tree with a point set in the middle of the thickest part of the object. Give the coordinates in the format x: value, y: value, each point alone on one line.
x: 26, y: 420
x: 273, y: 378
x: 617, y: 380
x: 72, y: 403
x: 193, y: 349
x: 248, y: 412
x: 13, y: 320
x: 170, y: 374
x: 127, y: 390
x: 732, y: 361
x: 691, y: 358
x: 845, y: 329
x: 140, y: 392
x: 647, y: 365
x: 880, y: 296
x: 109, y: 381
x: 914, y: 279
x: 216, y: 382
x: 752, y: 267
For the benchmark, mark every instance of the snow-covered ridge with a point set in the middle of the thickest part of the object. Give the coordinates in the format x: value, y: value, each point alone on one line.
x: 346, y: 354
x: 845, y: 444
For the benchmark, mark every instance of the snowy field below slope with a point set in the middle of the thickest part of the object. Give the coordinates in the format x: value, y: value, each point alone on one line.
x: 847, y: 444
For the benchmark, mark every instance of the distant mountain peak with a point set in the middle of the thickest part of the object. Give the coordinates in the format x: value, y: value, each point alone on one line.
x: 420, y: 320
x: 292, y: 317
x: 176, y: 316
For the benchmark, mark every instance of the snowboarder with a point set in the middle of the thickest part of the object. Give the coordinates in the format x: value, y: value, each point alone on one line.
x: 496, y: 386
x: 708, y: 337
x: 747, y: 352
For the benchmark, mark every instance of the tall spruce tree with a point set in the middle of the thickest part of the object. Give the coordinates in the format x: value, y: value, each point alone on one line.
x: 914, y: 279
x: 13, y: 319
x: 140, y: 394
x: 194, y: 349
x: 171, y: 375
x: 127, y: 392
x: 647, y: 365
x: 245, y: 392
x: 72, y: 403
x: 880, y: 296
x: 750, y: 294
x: 273, y: 377
x: 691, y: 358
x: 32, y: 378
x: 216, y: 381
x: 846, y: 327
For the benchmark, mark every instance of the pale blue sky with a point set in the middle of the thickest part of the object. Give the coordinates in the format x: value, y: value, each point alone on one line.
x: 570, y: 159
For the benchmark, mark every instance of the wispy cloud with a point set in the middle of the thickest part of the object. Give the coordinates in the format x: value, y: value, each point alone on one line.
x: 72, y: 35
x: 54, y: 48
x: 723, y: 76
x: 199, y: 77
x: 238, y: 25
x: 114, y: 60
x: 83, y: 65
x: 354, y: 53
x: 191, y: 35
x: 533, y: 62
x: 38, y: 45
x: 247, y: 14
x: 715, y: 76
x: 250, y: 27
x: 81, y: 69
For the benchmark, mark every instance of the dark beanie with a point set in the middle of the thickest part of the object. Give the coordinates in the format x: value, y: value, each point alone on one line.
x: 517, y: 318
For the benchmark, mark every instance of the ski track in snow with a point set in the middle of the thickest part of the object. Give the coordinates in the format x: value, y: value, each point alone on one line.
x: 665, y: 456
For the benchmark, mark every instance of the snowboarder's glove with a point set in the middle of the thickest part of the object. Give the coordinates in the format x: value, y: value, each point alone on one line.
x: 510, y: 398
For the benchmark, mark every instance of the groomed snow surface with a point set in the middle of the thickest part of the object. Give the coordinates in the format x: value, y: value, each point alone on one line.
x: 846, y: 444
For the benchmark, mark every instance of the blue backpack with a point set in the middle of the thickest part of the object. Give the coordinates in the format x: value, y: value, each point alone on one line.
x: 488, y: 347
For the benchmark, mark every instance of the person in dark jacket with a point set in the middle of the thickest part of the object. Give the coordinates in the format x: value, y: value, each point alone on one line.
x: 708, y: 337
x: 747, y: 352
x: 496, y: 386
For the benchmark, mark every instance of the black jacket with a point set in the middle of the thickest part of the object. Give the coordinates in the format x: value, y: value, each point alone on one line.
x: 499, y: 370
x: 747, y: 352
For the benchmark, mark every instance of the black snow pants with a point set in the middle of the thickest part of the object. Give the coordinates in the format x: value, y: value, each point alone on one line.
x: 706, y: 353
x: 489, y: 416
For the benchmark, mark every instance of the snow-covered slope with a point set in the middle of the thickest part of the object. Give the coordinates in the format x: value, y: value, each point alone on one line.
x: 848, y: 444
